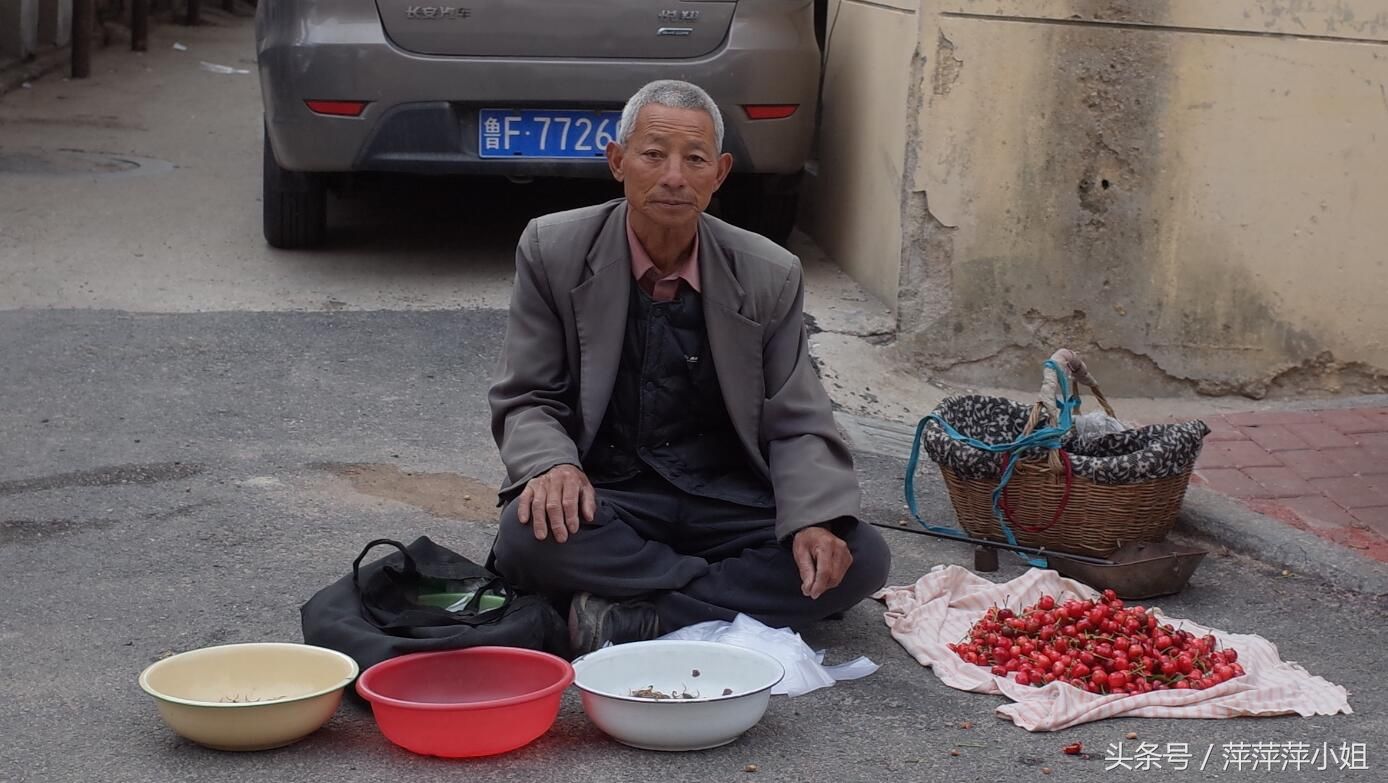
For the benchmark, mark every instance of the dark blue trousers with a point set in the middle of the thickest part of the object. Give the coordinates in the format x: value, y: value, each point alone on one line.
x: 696, y: 558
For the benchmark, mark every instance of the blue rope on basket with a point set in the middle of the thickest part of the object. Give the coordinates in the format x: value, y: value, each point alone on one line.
x: 1045, y: 439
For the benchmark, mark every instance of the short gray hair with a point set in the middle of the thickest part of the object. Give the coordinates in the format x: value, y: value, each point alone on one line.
x: 674, y: 95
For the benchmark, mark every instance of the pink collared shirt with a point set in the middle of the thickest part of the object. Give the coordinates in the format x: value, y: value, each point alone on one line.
x: 668, y: 286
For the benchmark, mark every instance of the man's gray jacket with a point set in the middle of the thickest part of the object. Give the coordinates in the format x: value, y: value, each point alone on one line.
x: 564, y: 342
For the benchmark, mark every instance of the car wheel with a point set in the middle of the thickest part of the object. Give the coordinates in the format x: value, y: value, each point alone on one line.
x: 764, y: 203
x: 295, y: 205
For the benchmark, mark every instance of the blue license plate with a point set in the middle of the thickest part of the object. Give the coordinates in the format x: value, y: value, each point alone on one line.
x: 545, y: 133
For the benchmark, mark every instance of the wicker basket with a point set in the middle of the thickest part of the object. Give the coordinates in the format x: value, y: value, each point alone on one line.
x: 1093, y: 519
x: 1098, y: 518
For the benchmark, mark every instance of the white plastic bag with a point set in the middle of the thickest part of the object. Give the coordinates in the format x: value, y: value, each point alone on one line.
x: 1095, y: 423
x: 805, y: 670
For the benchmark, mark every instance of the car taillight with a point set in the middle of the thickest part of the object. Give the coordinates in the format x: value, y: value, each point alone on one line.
x: 338, y: 108
x: 770, y: 111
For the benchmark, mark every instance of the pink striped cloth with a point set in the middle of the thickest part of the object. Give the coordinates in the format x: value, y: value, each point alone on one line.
x: 941, y: 606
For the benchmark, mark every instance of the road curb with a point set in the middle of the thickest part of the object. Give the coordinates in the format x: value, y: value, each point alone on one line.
x: 1238, y: 528
x: 13, y: 77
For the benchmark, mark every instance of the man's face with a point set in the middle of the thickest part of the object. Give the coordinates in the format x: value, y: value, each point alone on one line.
x: 670, y: 167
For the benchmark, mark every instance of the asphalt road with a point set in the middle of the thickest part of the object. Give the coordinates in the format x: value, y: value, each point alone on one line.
x: 175, y: 481
x: 198, y: 437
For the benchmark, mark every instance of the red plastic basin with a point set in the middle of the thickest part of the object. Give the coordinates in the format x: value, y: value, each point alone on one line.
x: 464, y: 703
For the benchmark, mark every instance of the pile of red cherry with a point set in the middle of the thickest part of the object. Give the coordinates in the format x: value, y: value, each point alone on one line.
x: 1099, y: 646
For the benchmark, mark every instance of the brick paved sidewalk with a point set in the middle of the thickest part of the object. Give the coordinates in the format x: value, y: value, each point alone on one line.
x: 1322, y: 471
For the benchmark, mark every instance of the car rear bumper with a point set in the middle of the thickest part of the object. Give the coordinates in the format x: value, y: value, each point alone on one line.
x: 422, y: 115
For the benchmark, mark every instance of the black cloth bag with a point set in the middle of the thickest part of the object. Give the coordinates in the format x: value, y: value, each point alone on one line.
x: 374, y: 613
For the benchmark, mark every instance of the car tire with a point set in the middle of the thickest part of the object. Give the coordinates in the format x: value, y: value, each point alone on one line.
x: 295, y: 205
x: 766, y: 204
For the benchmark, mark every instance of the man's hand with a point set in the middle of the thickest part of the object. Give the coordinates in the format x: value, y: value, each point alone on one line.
x: 823, y: 558
x: 556, y: 500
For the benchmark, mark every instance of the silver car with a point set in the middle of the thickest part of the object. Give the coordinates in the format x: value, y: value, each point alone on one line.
x: 522, y: 89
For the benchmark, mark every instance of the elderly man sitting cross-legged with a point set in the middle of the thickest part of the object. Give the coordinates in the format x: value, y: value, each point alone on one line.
x: 671, y: 456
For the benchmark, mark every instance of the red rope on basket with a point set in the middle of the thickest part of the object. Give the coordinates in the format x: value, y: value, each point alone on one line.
x: 1060, y: 509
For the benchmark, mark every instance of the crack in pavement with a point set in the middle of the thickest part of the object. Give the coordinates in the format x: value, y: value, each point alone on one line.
x: 114, y: 475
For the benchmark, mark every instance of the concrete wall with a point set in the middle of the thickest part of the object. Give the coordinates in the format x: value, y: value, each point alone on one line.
x: 19, y: 28
x: 55, y: 22
x: 855, y: 199
x: 1193, y: 193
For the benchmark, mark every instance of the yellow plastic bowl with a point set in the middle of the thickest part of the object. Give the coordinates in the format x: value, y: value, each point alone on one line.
x: 249, y: 696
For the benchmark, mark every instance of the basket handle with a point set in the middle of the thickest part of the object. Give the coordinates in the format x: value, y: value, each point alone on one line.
x: 1034, y: 421
x: 1079, y: 374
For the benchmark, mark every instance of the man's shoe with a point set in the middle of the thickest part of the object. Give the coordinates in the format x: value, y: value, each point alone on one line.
x: 594, y: 621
